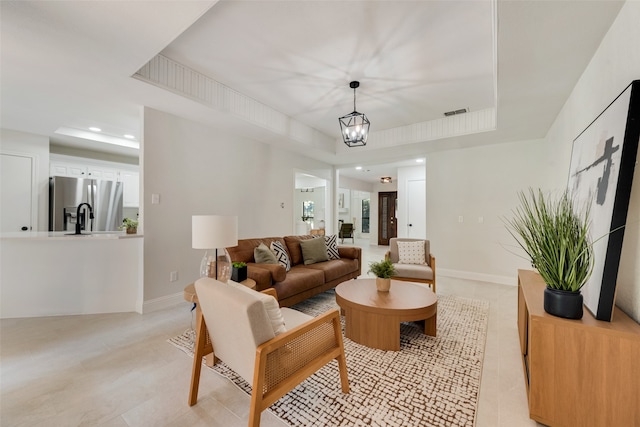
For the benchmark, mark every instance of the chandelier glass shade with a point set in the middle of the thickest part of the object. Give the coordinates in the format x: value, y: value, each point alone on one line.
x: 354, y: 127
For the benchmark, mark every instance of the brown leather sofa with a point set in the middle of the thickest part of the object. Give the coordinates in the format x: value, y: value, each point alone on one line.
x: 302, y: 281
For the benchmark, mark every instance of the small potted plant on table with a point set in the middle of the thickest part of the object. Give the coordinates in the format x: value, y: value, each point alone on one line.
x: 383, y: 271
x: 556, y: 237
x: 130, y: 225
x: 238, y: 271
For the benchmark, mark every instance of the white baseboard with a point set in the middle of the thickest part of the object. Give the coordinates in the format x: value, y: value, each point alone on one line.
x: 162, y: 302
x: 470, y: 275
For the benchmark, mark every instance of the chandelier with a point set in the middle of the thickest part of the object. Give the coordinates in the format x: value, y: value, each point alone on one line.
x: 354, y: 127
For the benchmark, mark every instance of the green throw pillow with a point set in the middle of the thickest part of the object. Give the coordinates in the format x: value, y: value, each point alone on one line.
x: 263, y: 255
x: 313, y: 250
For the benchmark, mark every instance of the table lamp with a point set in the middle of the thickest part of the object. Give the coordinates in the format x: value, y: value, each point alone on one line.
x: 214, y: 233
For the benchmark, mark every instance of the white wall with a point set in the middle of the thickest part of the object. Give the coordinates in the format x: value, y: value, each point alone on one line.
x: 484, y: 181
x: 37, y: 146
x: 480, y: 182
x: 615, y: 64
x: 355, y: 184
x: 197, y: 170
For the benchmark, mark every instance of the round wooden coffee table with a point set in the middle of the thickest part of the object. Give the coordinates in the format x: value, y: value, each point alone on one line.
x: 373, y: 318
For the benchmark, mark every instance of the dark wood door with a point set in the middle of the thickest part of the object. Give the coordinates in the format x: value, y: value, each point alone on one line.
x: 387, y: 216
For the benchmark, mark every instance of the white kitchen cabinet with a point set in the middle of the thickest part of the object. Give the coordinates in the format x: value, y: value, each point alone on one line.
x: 131, y: 189
x: 68, y: 169
x: 99, y: 172
x: 78, y: 170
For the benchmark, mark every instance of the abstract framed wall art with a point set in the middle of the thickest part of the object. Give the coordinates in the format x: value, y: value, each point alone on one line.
x: 600, y: 176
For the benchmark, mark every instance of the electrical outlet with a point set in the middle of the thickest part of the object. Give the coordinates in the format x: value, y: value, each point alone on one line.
x: 480, y: 220
x: 460, y: 219
x: 173, y: 276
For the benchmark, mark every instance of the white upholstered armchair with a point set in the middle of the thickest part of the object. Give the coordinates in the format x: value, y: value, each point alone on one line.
x: 412, y: 263
x: 272, y: 348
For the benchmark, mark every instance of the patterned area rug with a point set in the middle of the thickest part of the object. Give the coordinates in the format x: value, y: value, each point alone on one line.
x: 431, y: 381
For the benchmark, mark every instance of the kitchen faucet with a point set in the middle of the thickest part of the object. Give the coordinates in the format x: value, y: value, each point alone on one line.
x: 79, y: 223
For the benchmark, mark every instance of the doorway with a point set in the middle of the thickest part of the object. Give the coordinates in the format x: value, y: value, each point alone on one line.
x: 310, y: 201
x: 387, y: 224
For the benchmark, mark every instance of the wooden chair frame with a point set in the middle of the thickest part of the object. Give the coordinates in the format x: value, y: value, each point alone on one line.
x: 346, y: 231
x: 265, y: 389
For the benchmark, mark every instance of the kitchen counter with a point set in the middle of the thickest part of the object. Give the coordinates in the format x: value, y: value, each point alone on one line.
x: 51, y: 273
x: 62, y: 235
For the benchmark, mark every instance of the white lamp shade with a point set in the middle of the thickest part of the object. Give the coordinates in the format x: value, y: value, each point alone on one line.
x: 214, y: 231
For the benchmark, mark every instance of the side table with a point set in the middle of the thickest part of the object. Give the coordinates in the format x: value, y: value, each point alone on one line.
x: 203, y: 345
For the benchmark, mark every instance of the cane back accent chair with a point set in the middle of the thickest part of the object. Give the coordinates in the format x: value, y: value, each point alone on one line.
x: 242, y: 333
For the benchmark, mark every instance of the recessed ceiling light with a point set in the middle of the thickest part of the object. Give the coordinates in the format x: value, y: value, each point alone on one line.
x: 358, y: 168
x: 129, y: 136
x: 95, y: 129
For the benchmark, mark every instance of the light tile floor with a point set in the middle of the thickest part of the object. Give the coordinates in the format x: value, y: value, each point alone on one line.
x: 118, y: 370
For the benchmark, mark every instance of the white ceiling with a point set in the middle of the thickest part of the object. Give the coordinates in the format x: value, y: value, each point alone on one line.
x: 69, y: 64
x: 412, y: 61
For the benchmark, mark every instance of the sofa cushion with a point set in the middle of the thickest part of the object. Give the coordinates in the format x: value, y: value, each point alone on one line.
x: 332, y: 246
x: 414, y: 271
x: 336, y: 268
x: 299, y: 279
x: 263, y: 255
x: 281, y: 254
x: 313, y: 251
x: 293, y: 247
x: 411, y: 252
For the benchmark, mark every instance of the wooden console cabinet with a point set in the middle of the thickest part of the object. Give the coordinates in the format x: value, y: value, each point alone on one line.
x: 577, y: 372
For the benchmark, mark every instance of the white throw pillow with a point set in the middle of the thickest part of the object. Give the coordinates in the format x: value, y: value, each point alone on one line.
x: 332, y: 246
x: 281, y: 254
x: 411, y: 253
x: 270, y: 304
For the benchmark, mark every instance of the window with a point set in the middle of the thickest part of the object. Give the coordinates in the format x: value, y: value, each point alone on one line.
x: 307, y: 210
x: 365, y: 216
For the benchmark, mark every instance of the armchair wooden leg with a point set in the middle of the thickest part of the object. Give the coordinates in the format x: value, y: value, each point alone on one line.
x: 342, y: 360
x: 198, y: 354
x: 257, y: 401
x: 344, y: 378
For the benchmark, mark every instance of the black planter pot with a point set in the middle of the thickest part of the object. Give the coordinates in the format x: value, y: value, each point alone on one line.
x: 239, y: 274
x: 564, y: 304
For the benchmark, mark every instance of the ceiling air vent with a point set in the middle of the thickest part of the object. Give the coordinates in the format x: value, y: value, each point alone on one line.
x: 454, y: 112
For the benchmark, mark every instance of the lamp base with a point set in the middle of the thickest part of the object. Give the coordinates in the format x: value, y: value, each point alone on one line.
x: 216, y: 265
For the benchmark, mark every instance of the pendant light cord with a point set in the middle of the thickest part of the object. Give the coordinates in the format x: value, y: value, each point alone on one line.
x: 354, y: 99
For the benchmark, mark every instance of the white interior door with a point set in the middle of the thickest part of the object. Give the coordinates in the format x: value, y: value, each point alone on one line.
x: 416, y: 209
x: 16, y: 193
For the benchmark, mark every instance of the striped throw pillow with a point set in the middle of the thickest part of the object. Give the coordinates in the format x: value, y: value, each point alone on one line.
x: 281, y: 254
x: 332, y: 246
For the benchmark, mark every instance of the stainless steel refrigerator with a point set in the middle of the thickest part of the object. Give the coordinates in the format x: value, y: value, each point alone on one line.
x: 67, y: 194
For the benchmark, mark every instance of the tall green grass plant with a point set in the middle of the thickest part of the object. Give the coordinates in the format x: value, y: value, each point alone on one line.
x: 556, y: 238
